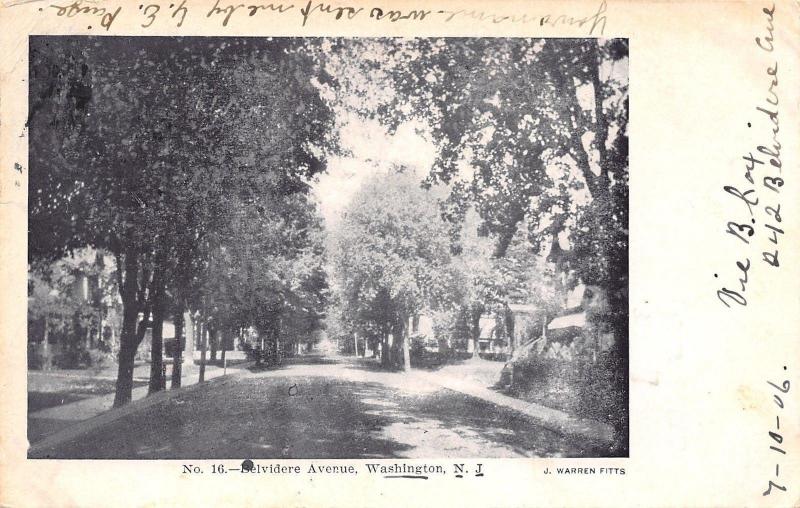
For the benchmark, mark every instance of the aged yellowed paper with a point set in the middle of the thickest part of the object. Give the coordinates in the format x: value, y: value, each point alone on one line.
x: 446, y: 253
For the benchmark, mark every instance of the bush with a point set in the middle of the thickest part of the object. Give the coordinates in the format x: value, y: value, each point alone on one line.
x: 99, y: 359
x: 70, y: 356
x: 579, y: 386
x: 494, y: 357
x: 78, y: 357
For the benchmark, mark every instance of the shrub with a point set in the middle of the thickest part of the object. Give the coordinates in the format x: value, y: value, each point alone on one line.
x: 71, y: 356
x: 99, y: 359
x: 578, y: 386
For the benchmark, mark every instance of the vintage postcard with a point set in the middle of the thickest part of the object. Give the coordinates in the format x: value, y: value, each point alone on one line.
x: 444, y: 253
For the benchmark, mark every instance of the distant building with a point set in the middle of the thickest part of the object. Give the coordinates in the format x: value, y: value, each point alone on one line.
x: 490, y: 339
x: 578, y: 330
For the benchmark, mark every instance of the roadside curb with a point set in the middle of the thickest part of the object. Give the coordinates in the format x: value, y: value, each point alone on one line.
x: 37, y: 451
x: 544, y: 416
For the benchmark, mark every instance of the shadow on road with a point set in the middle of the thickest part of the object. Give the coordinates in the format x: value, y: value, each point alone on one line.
x: 326, y: 415
x: 246, y: 418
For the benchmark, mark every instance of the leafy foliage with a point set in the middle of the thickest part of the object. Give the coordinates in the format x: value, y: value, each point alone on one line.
x: 392, y: 254
x: 151, y: 149
x: 532, y: 129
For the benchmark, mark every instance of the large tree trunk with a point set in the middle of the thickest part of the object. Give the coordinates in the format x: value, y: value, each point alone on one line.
x: 386, y: 356
x: 128, y: 339
x: 618, y: 297
x: 157, y: 338
x: 214, y: 340
x: 127, y: 355
x: 397, y: 346
x: 190, y: 333
x: 177, y: 356
x: 124, y: 391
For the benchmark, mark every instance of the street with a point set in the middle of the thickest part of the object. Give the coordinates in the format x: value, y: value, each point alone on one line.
x: 320, y: 407
x: 329, y: 205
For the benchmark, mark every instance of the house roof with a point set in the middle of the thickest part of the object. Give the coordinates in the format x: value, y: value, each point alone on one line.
x: 578, y: 320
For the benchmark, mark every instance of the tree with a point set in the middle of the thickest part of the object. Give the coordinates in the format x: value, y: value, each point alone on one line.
x: 527, y: 130
x: 392, y: 257
x: 141, y: 148
x: 266, y: 269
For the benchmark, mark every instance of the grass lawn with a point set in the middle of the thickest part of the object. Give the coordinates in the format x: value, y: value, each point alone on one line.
x: 57, y: 387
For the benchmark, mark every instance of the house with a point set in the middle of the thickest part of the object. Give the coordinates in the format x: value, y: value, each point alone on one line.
x: 564, y: 328
x: 582, y: 329
x: 491, y: 338
x: 578, y: 330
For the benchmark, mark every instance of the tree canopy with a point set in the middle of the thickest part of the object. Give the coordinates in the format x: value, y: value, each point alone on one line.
x: 529, y: 132
x: 155, y: 151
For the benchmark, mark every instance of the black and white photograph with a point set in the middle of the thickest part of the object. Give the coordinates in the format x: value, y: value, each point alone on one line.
x: 327, y: 247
